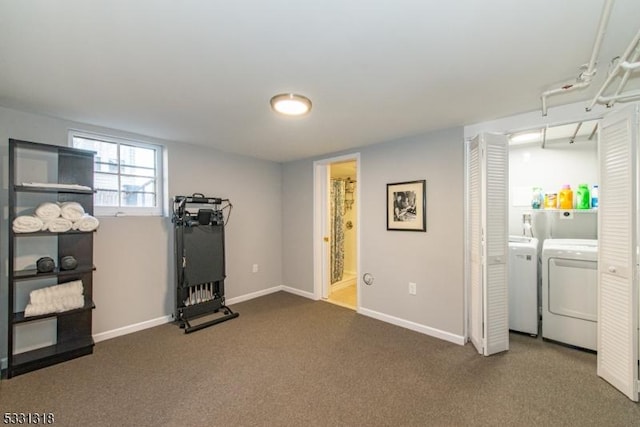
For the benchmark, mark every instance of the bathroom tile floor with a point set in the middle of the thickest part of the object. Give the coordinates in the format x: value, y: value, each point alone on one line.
x: 345, y: 297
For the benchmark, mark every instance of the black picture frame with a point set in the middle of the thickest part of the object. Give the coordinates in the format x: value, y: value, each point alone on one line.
x: 407, y: 206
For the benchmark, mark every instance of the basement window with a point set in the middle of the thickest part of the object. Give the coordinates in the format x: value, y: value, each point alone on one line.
x: 127, y: 174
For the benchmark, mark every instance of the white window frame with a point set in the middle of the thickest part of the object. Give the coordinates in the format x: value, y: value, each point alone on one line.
x: 158, y: 210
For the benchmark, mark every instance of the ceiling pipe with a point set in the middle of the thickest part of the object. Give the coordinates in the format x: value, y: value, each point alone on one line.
x: 593, y: 132
x: 623, y: 97
x: 628, y: 67
x: 584, y: 78
x: 575, y: 133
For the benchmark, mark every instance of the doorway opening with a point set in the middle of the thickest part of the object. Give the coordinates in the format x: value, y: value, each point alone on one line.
x: 336, y: 231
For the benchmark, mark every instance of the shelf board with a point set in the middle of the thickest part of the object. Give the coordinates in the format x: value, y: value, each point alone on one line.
x: 34, y: 189
x: 47, y: 356
x: 33, y: 274
x: 50, y: 233
x: 19, y: 317
x: 565, y: 210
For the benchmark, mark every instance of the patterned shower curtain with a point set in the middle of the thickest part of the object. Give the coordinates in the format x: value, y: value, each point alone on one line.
x: 337, y: 229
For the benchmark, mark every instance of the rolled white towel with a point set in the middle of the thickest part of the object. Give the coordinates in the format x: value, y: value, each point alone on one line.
x: 48, y: 294
x: 86, y: 223
x: 27, y: 224
x: 57, y: 305
x: 57, y: 225
x: 47, y: 211
x: 72, y: 211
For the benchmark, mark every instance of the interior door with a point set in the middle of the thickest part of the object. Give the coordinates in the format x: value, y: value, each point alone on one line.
x: 488, y: 243
x: 474, y: 245
x: 618, y: 252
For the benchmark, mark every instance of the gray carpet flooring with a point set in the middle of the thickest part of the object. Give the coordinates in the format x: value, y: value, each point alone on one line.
x: 290, y: 361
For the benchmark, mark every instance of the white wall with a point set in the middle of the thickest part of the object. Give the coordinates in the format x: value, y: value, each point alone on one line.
x: 549, y: 168
x: 134, y: 281
x: 434, y: 260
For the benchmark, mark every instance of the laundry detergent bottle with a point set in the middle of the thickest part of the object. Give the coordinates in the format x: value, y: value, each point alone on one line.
x: 565, y: 197
x: 583, y: 197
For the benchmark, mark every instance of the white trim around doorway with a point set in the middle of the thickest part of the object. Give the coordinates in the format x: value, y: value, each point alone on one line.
x: 320, y: 221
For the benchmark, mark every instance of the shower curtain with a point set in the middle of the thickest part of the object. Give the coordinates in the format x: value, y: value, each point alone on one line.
x: 337, y: 229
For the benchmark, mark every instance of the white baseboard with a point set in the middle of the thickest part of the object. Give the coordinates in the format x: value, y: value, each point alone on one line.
x: 436, y: 333
x: 298, y: 292
x: 132, y: 328
x: 102, y: 336
x: 247, y: 297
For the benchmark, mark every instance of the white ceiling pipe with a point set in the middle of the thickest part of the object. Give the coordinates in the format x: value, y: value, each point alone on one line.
x: 565, y: 88
x: 623, y: 97
x: 615, y: 71
x: 628, y: 69
x: 584, y: 79
x: 630, y: 66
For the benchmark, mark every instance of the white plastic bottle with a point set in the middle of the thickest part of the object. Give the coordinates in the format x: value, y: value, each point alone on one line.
x: 594, y: 197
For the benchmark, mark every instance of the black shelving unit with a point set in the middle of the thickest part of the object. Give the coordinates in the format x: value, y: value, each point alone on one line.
x: 73, y: 327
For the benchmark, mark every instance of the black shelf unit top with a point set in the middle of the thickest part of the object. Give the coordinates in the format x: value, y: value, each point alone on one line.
x: 34, y: 189
x: 51, y: 233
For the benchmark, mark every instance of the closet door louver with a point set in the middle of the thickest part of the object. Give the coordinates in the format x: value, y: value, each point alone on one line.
x: 496, y: 244
x: 487, y: 204
x: 617, y: 357
x: 474, y: 191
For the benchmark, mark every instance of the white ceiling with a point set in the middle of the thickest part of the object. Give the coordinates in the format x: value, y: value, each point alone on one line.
x: 203, y: 71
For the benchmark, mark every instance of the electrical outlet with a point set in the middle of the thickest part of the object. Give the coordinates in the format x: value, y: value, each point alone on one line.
x: 412, y: 288
x: 255, y: 268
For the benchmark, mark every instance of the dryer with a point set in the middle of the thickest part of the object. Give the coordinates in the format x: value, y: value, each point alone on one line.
x: 569, y: 291
x: 523, y: 284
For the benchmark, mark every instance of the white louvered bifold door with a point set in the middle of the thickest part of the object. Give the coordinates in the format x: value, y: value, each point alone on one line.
x: 496, y: 316
x: 474, y: 245
x: 487, y: 172
x: 617, y: 252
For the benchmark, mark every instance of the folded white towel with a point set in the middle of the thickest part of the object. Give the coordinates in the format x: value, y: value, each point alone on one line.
x: 72, y: 211
x: 86, y: 223
x: 57, y: 225
x: 27, y: 224
x: 48, y: 294
x: 48, y: 210
x: 57, y: 305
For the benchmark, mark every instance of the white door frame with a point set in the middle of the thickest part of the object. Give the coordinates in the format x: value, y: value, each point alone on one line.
x: 321, y: 177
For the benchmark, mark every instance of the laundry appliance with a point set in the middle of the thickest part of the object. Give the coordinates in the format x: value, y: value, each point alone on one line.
x: 569, y: 291
x: 523, y: 284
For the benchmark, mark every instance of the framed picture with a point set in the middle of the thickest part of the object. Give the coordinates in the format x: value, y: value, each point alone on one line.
x: 407, y: 206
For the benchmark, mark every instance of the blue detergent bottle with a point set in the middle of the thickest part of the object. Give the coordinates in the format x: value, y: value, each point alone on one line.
x: 594, y: 197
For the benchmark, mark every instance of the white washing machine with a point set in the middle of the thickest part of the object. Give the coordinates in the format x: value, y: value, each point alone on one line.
x: 569, y: 291
x: 523, y: 284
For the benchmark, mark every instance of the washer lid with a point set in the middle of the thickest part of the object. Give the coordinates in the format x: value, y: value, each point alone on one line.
x: 587, y: 247
x: 523, y: 242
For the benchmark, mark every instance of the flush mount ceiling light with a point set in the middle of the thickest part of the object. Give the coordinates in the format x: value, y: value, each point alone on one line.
x: 291, y: 104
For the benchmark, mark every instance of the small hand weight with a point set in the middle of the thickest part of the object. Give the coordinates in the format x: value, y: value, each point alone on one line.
x: 45, y: 265
x: 68, y: 263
